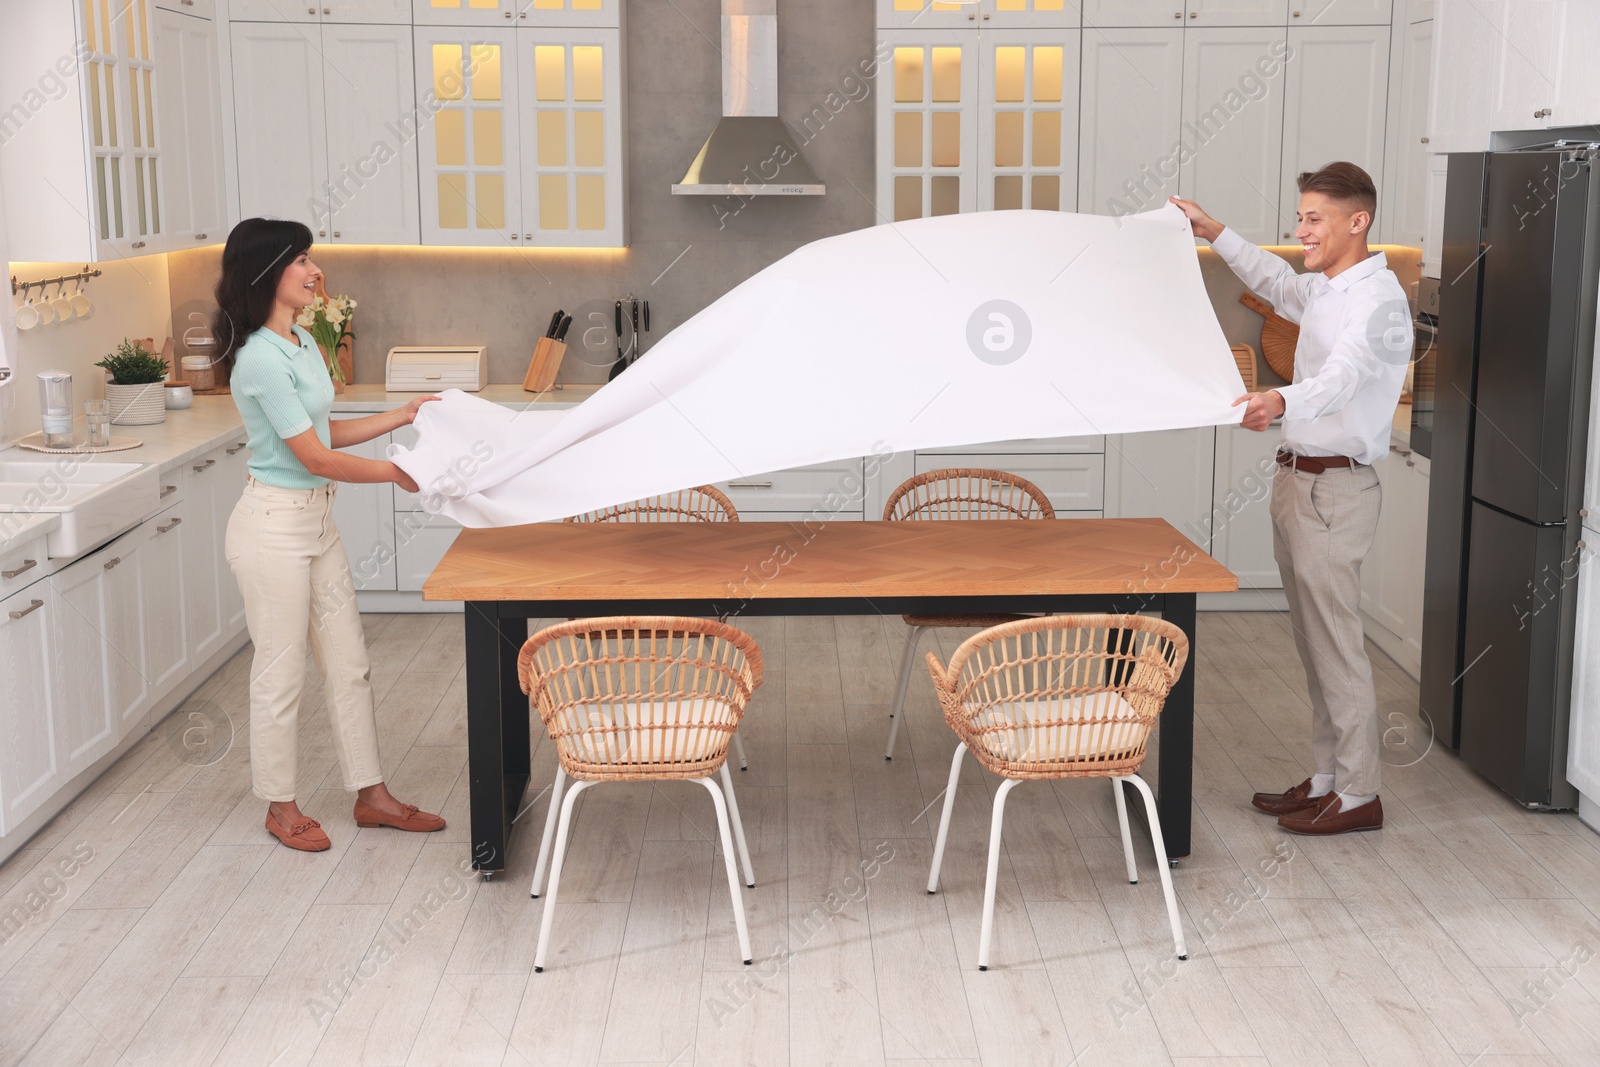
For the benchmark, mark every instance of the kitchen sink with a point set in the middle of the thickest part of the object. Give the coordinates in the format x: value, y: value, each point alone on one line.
x: 95, y: 499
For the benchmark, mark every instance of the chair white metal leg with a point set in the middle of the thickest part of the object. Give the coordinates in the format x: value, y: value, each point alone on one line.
x: 549, y: 830
x: 733, y: 877
x: 995, y: 823
x: 738, y: 750
x: 1161, y: 863
x: 738, y: 826
x: 907, y: 661
x: 1127, y: 837
x: 555, y: 872
x: 944, y: 819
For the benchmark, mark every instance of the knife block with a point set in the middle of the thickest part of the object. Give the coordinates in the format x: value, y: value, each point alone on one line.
x: 547, y: 355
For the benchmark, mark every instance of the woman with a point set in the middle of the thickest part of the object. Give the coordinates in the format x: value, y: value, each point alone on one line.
x: 281, y: 543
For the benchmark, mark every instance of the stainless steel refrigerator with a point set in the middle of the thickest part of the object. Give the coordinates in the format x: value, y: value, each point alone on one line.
x: 1516, y: 337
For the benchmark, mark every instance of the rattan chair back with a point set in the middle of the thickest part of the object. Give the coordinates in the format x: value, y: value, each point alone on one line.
x: 703, y: 503
x: 634, y: 698
x: 967, y: 493
x: 1065, y: 696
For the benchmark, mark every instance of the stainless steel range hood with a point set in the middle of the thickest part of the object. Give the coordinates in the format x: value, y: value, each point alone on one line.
x: 751, y: 151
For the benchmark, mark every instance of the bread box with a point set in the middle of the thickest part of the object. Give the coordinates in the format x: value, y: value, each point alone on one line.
x: 422, y: 369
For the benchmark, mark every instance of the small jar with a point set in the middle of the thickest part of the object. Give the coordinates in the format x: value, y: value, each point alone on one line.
x: 179, y: 395
x: 198, y: 370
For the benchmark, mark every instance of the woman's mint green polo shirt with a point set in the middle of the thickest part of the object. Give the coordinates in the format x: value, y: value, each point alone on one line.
x: 282, y: 390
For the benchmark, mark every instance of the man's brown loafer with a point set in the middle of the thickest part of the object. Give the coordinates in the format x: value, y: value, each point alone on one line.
x: 410, y: 819
x: 1329, y: 817
x: 1286, y: 803
x: 304, y: 834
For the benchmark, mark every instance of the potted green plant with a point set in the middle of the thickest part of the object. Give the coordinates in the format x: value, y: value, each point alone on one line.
x: 136, y: 390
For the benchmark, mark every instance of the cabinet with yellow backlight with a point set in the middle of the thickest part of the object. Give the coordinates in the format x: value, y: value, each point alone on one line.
x: 940, y: 14
x: 525, y: 143
x: 548, y: 13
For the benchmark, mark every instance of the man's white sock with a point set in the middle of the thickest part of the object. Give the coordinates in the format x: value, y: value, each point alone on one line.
x: 1321, y: 785
x: 1355, y: 800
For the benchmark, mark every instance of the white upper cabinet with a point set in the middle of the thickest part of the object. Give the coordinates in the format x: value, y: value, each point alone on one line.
x: 394, y: 12
x: 989, y: 14
x: 1237, y: 12
x: 928, y: 119
x: 189, y: 116
x: 517, y: 12
x: 1407, y: 198
x: 370, y: 193
x: 468, y: 153
x: 302, y: 93
x: 1526, y: 77
x: 1098, y: 14
x: 1237, y: 132
x: 1340, y: 12
x: 1466, y: 59
x: 1029, y: 149
x: 1131, y: 119
x: 1101, y: 13
x: 1319, y: 126
x: 1577, y: 97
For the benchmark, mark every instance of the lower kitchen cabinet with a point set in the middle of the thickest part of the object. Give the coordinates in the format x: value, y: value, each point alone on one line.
x: 122, y: 629
x: 1241, y: 505
x: 161, y: 571
x: 365, y: 516
x: 97, y: 651
x: 421, y: 540
x: 1167, y: 475
x: 1391, y: 576
x: 30, y: 755
x: 211, y: 485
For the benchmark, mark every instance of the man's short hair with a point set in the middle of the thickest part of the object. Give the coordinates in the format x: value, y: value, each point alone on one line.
x: 1344, y: 182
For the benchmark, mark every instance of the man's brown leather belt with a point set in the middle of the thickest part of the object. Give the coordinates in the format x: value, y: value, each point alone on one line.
x: 1314, y: 464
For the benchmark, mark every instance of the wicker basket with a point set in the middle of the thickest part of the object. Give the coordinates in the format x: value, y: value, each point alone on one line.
x: 137, y: 405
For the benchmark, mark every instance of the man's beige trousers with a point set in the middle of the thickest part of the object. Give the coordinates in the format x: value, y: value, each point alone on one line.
x: 290, y: 564
x: 1322, y: 527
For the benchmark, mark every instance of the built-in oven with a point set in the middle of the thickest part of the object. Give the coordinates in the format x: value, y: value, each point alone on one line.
x: 1424, y: 366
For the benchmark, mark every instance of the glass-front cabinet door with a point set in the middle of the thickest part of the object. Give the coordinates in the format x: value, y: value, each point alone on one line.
x: 1029, y: 153
x: 572, y: 110
x: 467, y: 153
x: 120, y: 81
x: 928, y: 125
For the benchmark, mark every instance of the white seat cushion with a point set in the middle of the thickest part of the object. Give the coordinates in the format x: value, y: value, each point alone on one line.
x: 608, y: 732
x: 1053, y: 731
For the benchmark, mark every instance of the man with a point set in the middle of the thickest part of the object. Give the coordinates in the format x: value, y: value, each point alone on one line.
x: 1349, y: 365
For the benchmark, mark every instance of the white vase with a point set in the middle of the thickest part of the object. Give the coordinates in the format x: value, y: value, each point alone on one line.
x: 137, y: 405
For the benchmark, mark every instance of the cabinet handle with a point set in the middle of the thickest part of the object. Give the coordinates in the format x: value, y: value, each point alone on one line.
x: 1194, y: 14
x: 322, y: 233
x: 1177, y: 14
x: 1424, y: 140
x: 527, y: 237
x: 749, y: 485
x: 327, y: 11
x: 236, y: 449
x: 199, y: 237
x: 168, y: 490
x: 33, y: 606
x: 207, y: 465
x: 515, y: 236
x: 1542, y: 113
x: 1411, y: 463
x: 112, y: 562
x: 138, y: 244
x: 168, y: 526
x: 311, y: 11
x: 1581, y: 544
x: 336, y: 233
x: 27, y: 565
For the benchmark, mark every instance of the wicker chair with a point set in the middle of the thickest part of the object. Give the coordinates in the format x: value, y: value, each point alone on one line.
x: 640, y: 700
x: 703, y: 503
x: 956, y: 493
x: 1067, y: 696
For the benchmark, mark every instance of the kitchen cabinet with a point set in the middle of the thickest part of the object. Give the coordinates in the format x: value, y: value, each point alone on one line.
x: 1192, y: 12
x: 189, y: 117
x: 122, y: 629
x: 517, y: 12
x: 30, y: 761
x: 1073, y: 483
x: 365, y: 515
x: 1131, y: 119
x: 1237, y: 12
x: 206, y: 9
x: 526, y: 142
x: 1028, y: 150
x: 833, y: 490
x: 1241, y: 515
x: 1433, y: 200
x: 1321, y: 126
x: 938, y: 14
x: 213, y: 609
x: 1391, y: 575
x: 90, y: 651
x: 1406, y: 200
x: 1466, y: 59
x: 233, y: 467
x: 1235, y: 163
x: 1106, y: 14
x: 1583, y: 739
x: 343, y: 95
x: 421, y: 540
x: 1525, y: 76
x: 165, y: 625
x: 1340, y: 12
x: 82, y: 166
x: 395, y: 12
x: 1166, y: 474
x: 928, y: 122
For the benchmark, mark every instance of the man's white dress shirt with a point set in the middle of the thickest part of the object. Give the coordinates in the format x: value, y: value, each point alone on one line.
x: 1355, y: 345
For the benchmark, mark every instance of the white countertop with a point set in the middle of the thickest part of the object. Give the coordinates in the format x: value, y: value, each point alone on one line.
x: 17, y: 529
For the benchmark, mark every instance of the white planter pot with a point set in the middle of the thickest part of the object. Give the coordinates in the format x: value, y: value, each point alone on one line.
x: 137, y: 405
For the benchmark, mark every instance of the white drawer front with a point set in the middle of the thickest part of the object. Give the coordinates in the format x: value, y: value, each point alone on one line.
x: 1032, y: 446
x: 1072, y: 482
x: 421, y: 541
x: 826, y: 486
x: 22, y: 565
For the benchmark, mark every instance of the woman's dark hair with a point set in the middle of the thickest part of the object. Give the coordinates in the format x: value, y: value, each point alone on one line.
x: 253, y: 260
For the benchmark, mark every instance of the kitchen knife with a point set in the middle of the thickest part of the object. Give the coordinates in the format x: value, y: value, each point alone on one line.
x: 633, y: 350
x: 561, y: 331
x: 555, y: 321
x: 620, y: 365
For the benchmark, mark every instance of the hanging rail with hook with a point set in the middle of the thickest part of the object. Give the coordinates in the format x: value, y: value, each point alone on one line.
x: 82, y: 276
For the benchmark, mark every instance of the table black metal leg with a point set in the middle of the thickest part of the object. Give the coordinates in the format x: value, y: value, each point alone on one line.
x: 497, y: 731
x: 1177, y: 736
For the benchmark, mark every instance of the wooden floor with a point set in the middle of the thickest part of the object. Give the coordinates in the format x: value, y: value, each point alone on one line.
x: 167, y: 927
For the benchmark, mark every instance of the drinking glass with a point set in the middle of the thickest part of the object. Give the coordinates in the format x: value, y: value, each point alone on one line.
x: 97, y: 413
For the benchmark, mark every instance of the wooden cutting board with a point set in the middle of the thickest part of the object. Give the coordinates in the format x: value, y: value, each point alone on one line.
x: 1278, y: 336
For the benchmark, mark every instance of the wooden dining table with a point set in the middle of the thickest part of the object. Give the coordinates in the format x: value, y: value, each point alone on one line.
x: 510, y: 575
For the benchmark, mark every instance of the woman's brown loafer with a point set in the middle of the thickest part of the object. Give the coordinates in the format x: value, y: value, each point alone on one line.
x: 410, y: 819
x: 304, y: 834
